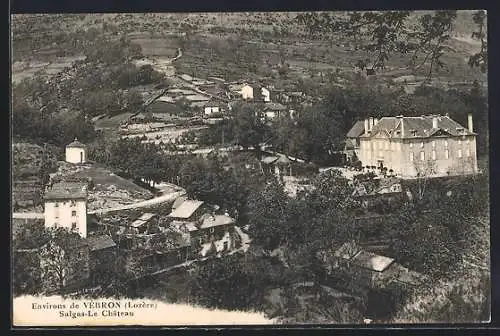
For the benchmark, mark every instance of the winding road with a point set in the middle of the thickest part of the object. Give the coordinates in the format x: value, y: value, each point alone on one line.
x: 142, y: 204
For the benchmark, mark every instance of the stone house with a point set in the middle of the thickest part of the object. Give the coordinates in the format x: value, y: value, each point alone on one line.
x: 65, y: 206
x: 432, y: 145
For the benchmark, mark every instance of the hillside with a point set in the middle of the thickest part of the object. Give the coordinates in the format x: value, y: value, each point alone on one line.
x: 48, y: 41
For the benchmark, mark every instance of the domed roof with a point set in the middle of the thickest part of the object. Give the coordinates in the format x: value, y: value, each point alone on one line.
x: 76, y: 144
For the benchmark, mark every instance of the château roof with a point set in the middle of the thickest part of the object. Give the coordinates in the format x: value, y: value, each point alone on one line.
x: 356, y: 130
x: 418, y: 127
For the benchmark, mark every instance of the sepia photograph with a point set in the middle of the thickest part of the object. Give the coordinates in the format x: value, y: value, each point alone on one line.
x: 250, y: 168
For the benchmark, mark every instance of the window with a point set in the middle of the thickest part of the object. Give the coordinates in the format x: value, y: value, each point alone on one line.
x: 72, y: 203
x: 434, y: 144
x: 422, y: 155
x: 447, y: 154
x: 446, y: 143
x: 467, y: 152
x: 387, y: 145
x: 73, y: 226
x: 422, y: 144
x: 212, y: 230
x: 56, y: 225
x: 411, y: 156
x: 459, y: 153
x: 73, y: 213
x: 459, y: 142
x: 56, y: 204
x: 434, y: 155
x: 411, y: 144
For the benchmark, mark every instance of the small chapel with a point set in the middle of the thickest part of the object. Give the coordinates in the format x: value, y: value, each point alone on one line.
x: 76, y: 152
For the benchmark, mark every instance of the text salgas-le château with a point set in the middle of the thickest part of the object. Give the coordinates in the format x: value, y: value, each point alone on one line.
x: 96, y: 309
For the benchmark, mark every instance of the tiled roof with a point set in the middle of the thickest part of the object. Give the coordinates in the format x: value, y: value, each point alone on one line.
x: 186, y: 209
x: 372, y: 261
x: 217, y: 220
x: 417, y: 127
x: 97, y: 243
x: 178, y: 202
x: 356, y: 130
x: 274, y: 106
x: 67, y: 190
x: 269, y: 159
x: 143, y: 219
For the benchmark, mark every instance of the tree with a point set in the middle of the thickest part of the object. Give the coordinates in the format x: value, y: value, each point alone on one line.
x: 480, y: 59
x: 247, y: 125
x: 435, y: 252
x: 63, y: 259
x: 229, y: 283
x: 383, y: 34
x: 267, y: 215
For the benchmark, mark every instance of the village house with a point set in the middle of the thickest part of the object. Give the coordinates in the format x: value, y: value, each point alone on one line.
x: 243, y: 91
x: 152, y: 252
x: 141, y: 224
x: 202, y: 225
x: 273, y: 111
x: 214, y: 232
x: 65, y: 206
x: 432, y: 145
x: 76, y: 152
x: 266, y: 94
x: 213, y: 107
x: 360, y: 272
x: 278, y: 164
x: 186, y: 210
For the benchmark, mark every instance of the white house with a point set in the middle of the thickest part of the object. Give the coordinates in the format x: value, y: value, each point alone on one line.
x: 246, y: 92
x: 266, y: 95
x: 66, y: 206
x: 76, y: 152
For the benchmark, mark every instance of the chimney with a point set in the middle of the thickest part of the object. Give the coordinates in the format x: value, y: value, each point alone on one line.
x: 469, y: 123
x: 367, y: 126
x: 434, y: 122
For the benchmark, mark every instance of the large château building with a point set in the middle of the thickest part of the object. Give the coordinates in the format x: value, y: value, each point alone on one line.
x: 432, y: 145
